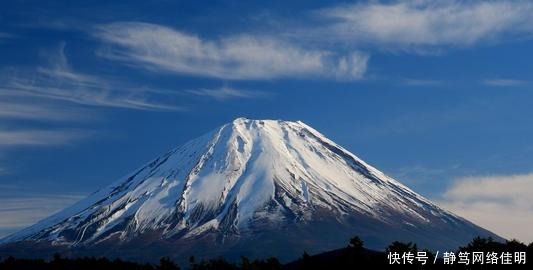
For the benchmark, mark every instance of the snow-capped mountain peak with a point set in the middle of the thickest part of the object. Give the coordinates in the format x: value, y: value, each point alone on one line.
x: 247, y: 178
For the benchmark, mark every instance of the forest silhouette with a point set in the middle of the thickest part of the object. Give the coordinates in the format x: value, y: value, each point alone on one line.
x: 354, y: 256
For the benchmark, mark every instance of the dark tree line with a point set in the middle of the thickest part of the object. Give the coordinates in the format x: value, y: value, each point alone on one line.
x: 165, y: 263
x: 354, y: 256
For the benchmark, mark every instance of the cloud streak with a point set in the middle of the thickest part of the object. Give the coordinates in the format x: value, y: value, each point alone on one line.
x: 48, y: 93
x: 236, y: 57
x: 39, y: 137
x: 18, y: 213
x: 428, y: 23
x: 499, y: 203
x: 60, y: 82
x: 37, y: 111
x: 225, y: 93
x: 503, y: 82
x: 4, y: 35
x: 420, y: 82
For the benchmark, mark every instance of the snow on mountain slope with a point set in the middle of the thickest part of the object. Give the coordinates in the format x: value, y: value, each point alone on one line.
x: 242, y: 178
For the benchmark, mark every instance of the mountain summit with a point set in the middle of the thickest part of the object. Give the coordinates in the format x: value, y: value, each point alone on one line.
x: 251, y: 187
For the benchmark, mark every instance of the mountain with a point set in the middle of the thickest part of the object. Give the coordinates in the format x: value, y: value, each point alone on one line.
x: 251, y: 187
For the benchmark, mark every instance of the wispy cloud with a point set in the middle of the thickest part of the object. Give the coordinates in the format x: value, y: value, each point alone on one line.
x: 38, y: 137
x: 240, y: 57
x: 503, y: 82
x: 21, y: 212
x: 60, y: 82
x: 35, y: 110
x: 416, y: 173
x: 4, y: 35
x: 56, y: 24
x: 428, y: 23
x: 53, y: 92
x: 224, y: 93
x: 499, y: 203
x: 420, y: 82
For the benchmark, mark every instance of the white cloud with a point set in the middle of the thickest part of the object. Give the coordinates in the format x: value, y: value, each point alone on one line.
x: 4, y: 35
x: 429, y: 23
x: 60, y: 82
x: 47, y: 94
x: 39, y: 137
x: 503, y: 82
x: 225, y: 93
x: 242, y: 57
x: 37, y: 111
x: 501, y: 204
x: 417, y: 173
x: 420, y: 82
x: 18, y: 213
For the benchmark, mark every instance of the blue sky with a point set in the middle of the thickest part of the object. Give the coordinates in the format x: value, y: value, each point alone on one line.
x: 437, y: 94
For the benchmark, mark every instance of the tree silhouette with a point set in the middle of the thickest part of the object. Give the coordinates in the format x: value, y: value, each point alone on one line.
x: 165, y: 263
x: 356, y: 243
x: 354, y: 256
x: 401, y: 247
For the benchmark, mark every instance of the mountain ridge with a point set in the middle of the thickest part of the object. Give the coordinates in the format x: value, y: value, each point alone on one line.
x: 251, y: 180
